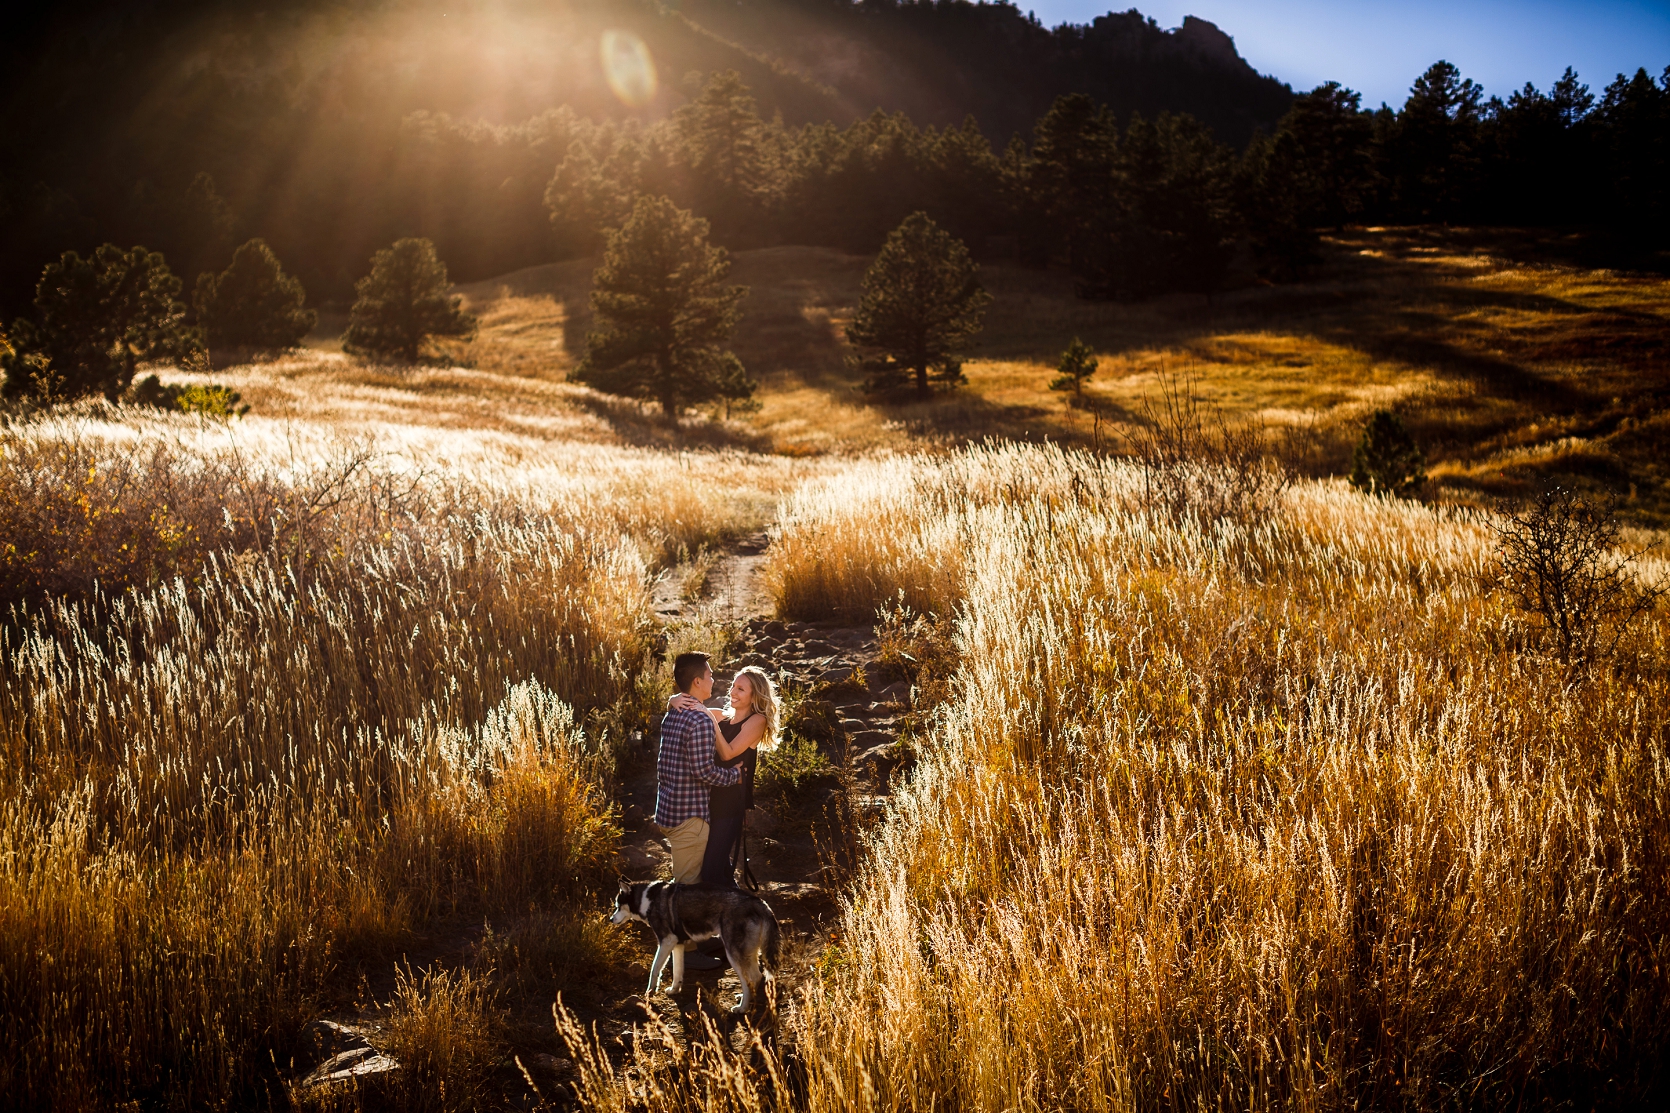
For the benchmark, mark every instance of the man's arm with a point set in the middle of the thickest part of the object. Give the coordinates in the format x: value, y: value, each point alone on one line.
x: 701, y: 739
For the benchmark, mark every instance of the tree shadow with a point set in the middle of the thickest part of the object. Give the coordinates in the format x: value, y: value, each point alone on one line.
x: 637, y: 425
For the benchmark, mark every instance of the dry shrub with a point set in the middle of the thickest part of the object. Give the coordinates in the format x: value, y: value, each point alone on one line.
x: 1194, y: 460
x: 1267, y: 814
x: 82, y: 515
x: 446, y: 1030
x: 1562, y: 566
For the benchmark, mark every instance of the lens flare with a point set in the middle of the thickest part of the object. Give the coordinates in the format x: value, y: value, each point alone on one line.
x: 629, y: 68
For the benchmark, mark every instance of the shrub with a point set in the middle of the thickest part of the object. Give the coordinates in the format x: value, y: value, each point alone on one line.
x: 1387, y: 461
x: 253, y: 303
x: 793, y: 768
x: 1195, y: 462
x: 1561, y: 564
x: 209, y: 399
x: 402, y: 302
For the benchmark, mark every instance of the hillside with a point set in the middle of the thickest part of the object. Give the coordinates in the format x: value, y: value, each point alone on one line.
x: 330, y: 127
x: 1511, y: 369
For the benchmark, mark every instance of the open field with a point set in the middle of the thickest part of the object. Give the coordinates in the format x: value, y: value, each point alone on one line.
x: 1276, y: 802
x: 1512, y: 368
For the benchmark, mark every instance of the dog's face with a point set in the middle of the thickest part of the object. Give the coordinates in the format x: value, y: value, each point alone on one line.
x: 629, y: 903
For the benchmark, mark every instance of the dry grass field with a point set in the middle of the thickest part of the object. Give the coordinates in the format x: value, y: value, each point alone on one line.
x: 1273, y: 800
x: 1511, y: 367
x: 1284, y: 809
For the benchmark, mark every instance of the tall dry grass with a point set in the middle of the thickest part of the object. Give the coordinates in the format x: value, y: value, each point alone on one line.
x: 1277, y: 811
x: 278, y: 701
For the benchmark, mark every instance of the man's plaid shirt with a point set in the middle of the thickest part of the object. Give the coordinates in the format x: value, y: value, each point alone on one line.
x: 685, y: 769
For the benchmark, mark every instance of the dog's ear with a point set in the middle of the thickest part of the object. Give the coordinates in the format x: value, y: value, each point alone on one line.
x: 625, y: 885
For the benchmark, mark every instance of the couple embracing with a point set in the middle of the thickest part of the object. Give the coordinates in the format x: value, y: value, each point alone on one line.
x: 705, y: 771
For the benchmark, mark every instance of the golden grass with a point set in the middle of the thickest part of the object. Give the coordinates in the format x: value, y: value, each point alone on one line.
x: 276, y: 756
x: 1278, y: 812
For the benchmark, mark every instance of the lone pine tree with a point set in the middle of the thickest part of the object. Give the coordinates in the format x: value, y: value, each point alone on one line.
x: 253, y: 303
x: 402, y: 301
x: 662, y: 313
x: 99, y: 318
x: 921, y: 302
x: 1387, y: 461
x: 1077, y: 364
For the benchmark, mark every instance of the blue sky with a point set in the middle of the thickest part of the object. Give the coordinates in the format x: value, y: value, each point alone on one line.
x: 1378, y: 48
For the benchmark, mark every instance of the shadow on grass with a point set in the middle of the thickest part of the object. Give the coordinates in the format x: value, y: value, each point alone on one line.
x: 637, y: 425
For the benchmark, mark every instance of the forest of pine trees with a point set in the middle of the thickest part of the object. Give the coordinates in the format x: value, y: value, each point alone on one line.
x: 1140, y: 206
x: 1133, y: 199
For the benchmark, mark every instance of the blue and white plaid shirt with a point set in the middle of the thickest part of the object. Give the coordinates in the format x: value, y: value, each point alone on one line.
x: 685, y: 769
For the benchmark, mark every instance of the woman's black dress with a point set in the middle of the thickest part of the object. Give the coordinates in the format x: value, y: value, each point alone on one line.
x: 727, y: 807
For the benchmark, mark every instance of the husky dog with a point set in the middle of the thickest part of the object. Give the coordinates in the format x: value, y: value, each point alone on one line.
x: 682, y: 914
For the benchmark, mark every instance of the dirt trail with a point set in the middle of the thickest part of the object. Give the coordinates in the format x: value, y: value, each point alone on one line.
x: 797, y: 848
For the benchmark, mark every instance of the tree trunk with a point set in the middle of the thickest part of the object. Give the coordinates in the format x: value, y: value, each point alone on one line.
x: 922, y: 390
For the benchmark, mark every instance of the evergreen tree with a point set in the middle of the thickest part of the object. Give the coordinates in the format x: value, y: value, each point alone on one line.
x: 1387, y: 461
x: 1176, y: 223
x: 253, y: 303
x: 1077, y: 364
x: 661, y: 313
x: 99, y: 318
x: 1435, y: 145
x: 727, y: 153
x: 921, y: 302
x: 1633, y: 122
x: 1071, y: 175
x: 402, y: 301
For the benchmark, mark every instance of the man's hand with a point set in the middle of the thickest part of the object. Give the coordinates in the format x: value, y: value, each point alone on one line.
x: 681, y: 702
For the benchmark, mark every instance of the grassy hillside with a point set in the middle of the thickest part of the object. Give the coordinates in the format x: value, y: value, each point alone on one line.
x: 1279, y: 803
x: 1511, y: 368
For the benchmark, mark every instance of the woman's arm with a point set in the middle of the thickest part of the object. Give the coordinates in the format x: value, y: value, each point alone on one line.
x: 678, y: 701
x: 746, y: 738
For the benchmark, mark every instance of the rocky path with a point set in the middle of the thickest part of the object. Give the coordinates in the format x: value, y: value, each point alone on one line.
x: 838, y: 694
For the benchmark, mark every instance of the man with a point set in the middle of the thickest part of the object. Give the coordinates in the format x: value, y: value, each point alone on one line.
x: 685, y: 770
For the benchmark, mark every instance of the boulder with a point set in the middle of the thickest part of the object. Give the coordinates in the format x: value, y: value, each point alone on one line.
x: 324, y: 1039
x: 359, y: 1067
x: 897, y: 693
x: 869, y: 740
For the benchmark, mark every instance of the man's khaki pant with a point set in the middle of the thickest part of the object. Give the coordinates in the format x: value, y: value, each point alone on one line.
x: 689, y: 844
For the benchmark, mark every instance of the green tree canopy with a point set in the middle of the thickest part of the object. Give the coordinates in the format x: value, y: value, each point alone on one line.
x: 1387, y: 461
x: 1077, y: 364
x: 99, y: 318
x: 921, y: 302
x: 662, y: 313
x: 253, y: 303
x: 403, y: 300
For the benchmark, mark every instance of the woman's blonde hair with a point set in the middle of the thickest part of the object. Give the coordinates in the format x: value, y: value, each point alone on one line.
x: 762, y: 697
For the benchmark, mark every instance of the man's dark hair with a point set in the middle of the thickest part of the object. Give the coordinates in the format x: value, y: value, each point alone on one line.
x: 686, y: 668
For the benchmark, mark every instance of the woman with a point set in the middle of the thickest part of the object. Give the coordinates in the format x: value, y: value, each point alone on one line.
x: 748, y: 722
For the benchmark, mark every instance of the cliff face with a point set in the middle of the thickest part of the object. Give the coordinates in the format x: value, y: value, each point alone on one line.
x: 942, y: 62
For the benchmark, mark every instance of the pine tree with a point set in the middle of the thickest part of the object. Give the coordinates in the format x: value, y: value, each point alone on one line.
x: 1077, y: 364
x: 727, y: 152
x: 1387, y: 460
x: 403, y: 300
x: 662, y: 314
x: 253, y: 303
x: 921, y: 302
x: 99, y: 318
